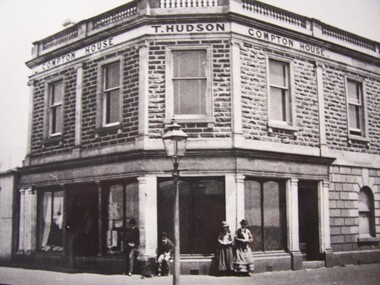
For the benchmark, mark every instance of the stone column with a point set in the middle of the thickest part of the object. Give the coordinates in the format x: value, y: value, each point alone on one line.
x: 148, y: 215
x: 292, y: 223
x: 234, y: 197
x: 324, y: 222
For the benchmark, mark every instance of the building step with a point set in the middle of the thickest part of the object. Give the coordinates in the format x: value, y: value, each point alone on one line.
x: 313, y: 264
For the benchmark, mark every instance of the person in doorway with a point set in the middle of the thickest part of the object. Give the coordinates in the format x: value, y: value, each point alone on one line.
x: 224, y: 251
x: 243, y: 253
x: 164, y: 253
x: 132, y: 243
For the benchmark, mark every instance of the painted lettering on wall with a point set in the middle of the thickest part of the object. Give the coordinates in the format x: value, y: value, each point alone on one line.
x: 73, y: 55
x: 58, y: 60
x: 189, y: 28
x: 312, y: 49
x: 98, y: 46
x: 271, y: 37
x: 284, y: 41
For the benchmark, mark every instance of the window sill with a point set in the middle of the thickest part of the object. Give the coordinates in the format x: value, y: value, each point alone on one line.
x: 186, y: 120
x: 357, y: 138
x: 368, y: 239
x: 279, y: 125
x: 108, y: 130
x: 53, y: 139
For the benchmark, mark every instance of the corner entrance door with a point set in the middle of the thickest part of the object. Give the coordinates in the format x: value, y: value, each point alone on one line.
x: 201, y: 211
x: 82, y: 221
x: 308, y: 219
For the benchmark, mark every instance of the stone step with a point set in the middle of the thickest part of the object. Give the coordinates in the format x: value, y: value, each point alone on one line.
x: 313, y: 264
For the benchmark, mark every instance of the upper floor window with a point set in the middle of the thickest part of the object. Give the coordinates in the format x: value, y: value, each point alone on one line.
x: 366, y: 213
x: 280, y: 99
x: 55, y: 108
x: 188, y: 83
x: 356, y: 111
x: 111, y: 93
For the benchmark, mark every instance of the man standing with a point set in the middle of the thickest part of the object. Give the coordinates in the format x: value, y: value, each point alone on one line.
x: 132, y: 243
x: 164, y: 252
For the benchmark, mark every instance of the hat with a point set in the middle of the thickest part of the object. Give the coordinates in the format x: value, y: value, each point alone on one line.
x: 244, y: 222
x: 132, y: 221
x: 224, y: 224
x: 164, y: 234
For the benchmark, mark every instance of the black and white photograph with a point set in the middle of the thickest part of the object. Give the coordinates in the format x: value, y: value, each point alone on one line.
x: 189, y: 142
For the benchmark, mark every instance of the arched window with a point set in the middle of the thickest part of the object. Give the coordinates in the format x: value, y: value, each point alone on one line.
x: 366, y: 213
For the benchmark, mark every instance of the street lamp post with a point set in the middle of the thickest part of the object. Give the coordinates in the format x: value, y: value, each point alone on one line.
x: 175, y: 146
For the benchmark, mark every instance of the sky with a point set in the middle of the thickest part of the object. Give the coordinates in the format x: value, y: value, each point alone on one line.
x: 24, y: 21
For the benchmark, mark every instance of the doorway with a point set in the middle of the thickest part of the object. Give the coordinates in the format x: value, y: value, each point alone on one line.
x: 82, y: 221
x: 308, y: 219
x: 201, y: 211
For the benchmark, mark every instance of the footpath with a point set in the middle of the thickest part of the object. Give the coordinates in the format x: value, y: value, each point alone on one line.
x: 350, y: 274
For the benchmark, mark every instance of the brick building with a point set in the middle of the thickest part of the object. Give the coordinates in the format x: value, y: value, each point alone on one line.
x: 283, y: 123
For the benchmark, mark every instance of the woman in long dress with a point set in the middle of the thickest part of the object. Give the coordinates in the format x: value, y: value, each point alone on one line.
x: 224, y: 252
x: 243, y: 253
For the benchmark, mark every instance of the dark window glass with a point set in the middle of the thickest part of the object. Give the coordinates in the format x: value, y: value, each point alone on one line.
x: 366, y: 215
x: 202, y: 209
x: 111, y: 98
x: 355, y: 107
x: 280, y: 103
x: 265, y: 213
x: 56, y: 97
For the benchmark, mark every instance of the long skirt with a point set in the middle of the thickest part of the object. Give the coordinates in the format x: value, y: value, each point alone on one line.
x: 243, y: 260
x: 225, y: 258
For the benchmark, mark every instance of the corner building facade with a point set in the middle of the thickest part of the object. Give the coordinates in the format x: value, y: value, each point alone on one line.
x: 283, y: 123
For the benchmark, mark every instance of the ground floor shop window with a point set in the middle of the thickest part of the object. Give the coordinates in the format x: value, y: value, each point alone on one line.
x: 265, y: 213
x: 122, y: 206
x: 202, y: 210
x: 50, y: 219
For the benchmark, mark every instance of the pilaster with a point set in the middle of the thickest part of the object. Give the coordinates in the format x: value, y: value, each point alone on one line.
x: 237, y: 130
x: 78, y: 110
x: 100, y: 219
x: 28, y: 224
x: 321, y: 109
x: 148, y: 215
x: 234, y: 197
x: 324, y: 222
x: 30, y: 123
x: 292, y: 223
x: 143, y: 95
x: 21, y: 237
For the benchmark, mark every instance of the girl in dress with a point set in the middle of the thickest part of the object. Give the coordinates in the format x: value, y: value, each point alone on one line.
x: 243, y: 254
x: 224, y: 252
